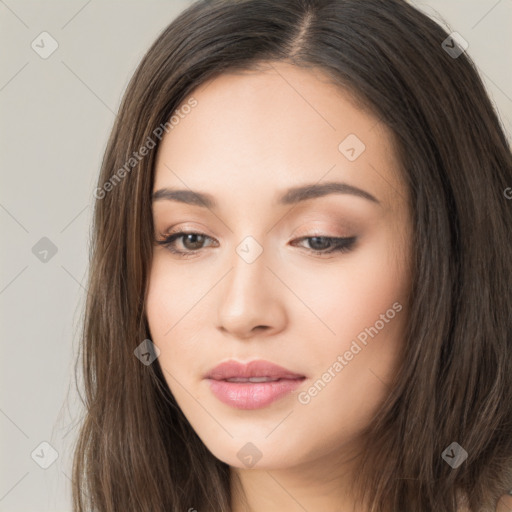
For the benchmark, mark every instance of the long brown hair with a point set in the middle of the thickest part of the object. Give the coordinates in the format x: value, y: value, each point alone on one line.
x: 135, y: 449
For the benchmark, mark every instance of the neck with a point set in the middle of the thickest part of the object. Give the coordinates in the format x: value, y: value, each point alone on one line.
x: 323, y: 484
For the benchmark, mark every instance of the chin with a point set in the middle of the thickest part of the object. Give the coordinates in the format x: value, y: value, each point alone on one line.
x: 250, y: 452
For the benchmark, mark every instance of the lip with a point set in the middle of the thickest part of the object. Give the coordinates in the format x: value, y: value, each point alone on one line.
x: 251, y: 395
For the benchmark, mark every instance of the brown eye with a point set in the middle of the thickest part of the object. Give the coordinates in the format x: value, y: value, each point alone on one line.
x: 191, y: 241
x: 194, y: 239
x: 327, y: 245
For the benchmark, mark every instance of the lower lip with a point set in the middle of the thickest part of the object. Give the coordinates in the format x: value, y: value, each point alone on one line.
x: 252, y: 395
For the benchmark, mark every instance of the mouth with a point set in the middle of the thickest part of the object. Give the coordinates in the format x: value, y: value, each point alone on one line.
x: 251, y: 379
x: 251, y: 386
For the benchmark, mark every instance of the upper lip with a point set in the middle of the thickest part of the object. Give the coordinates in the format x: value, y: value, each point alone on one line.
x: 260, y: 368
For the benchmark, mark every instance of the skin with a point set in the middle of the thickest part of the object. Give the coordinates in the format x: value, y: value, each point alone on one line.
x: 251, y: 136
x: 505, y: 504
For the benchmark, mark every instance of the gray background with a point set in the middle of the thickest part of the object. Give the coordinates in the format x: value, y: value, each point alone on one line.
x: 56, y: 114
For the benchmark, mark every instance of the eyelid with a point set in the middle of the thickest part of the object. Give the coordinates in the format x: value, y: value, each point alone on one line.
x: 178, y: 228
x: 315, y: 231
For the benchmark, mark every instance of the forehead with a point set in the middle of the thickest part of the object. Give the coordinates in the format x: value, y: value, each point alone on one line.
x: 278, y: 126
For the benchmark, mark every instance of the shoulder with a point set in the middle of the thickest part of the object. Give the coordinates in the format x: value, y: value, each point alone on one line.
x: 505, y: 503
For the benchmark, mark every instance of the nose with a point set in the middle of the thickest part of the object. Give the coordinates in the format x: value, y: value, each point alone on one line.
x: 250, y: 300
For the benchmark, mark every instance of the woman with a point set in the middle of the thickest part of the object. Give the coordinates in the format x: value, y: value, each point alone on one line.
x: 301, y: 275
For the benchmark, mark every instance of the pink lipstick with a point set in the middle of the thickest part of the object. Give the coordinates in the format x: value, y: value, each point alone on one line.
x: 252, y: 385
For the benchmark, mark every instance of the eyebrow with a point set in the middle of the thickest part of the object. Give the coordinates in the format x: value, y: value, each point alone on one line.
x: 291, y: 196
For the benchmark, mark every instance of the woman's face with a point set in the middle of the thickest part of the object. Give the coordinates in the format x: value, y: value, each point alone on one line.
x: 262, y: 279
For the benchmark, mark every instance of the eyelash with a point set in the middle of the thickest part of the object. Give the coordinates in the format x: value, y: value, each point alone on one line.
x: 341, y: 245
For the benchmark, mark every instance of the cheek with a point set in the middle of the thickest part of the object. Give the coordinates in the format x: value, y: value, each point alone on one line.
x: 365, y: 306
x: 173, y: 295
x: 167, y: 310
x: 353, y: 295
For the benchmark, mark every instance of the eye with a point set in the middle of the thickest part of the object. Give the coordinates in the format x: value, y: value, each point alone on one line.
x: 327, y: 245
x: 192, y: 242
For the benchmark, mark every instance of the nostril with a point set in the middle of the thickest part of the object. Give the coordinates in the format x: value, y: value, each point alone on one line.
x: 264, y: 327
